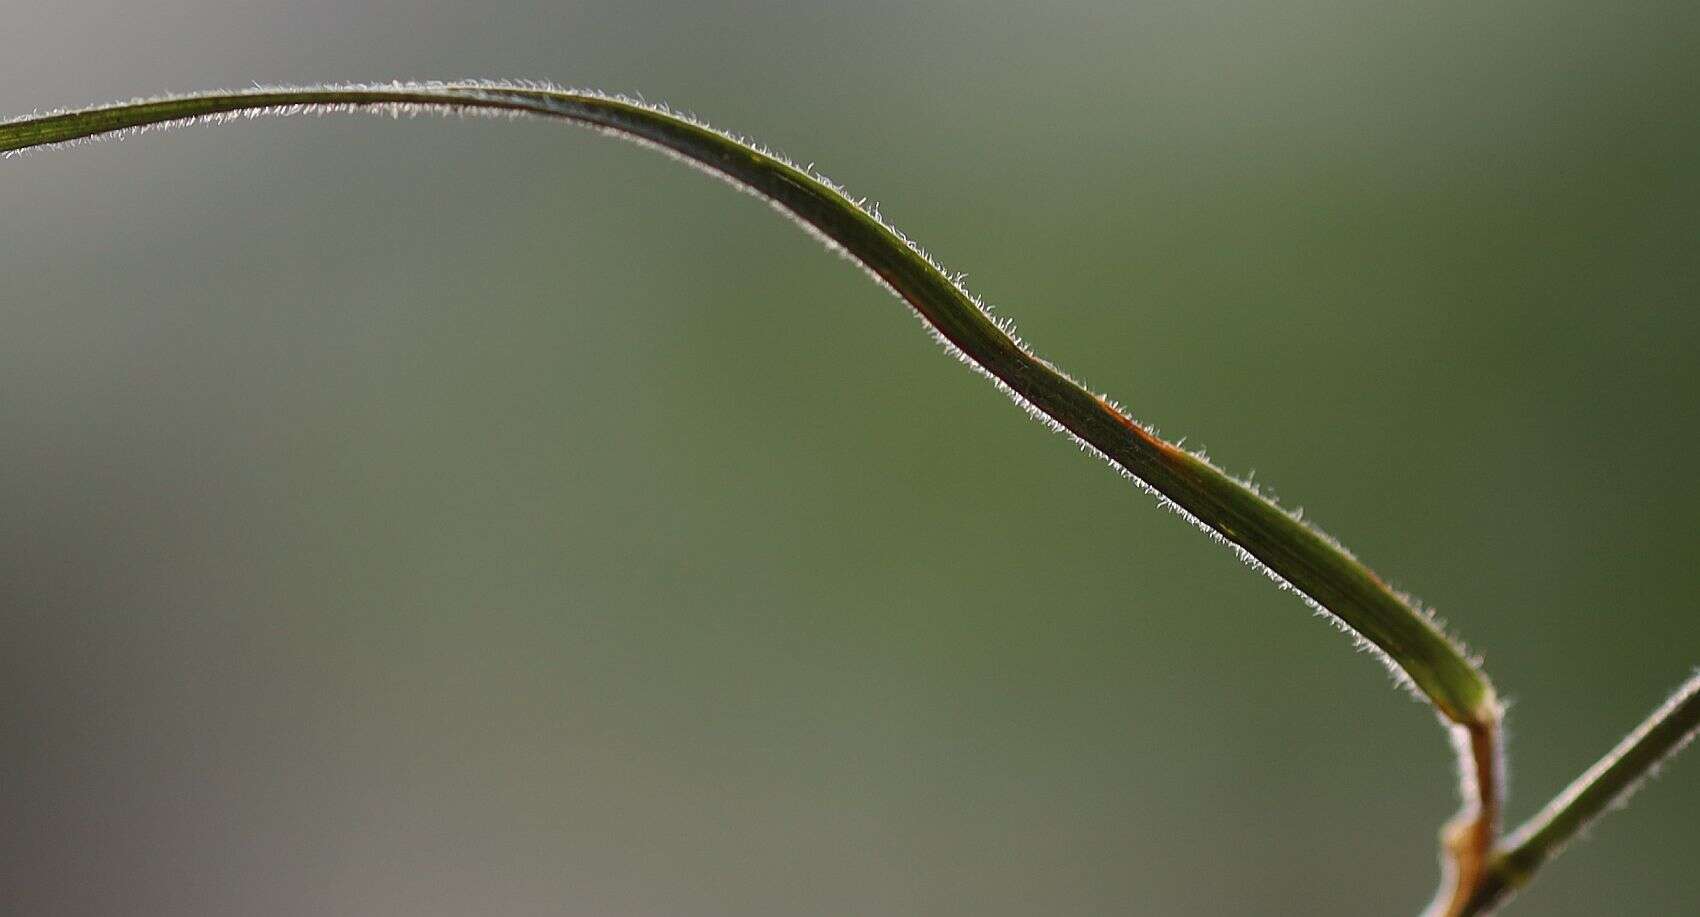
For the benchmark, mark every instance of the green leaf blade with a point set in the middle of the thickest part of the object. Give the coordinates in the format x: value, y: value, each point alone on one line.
x: 1279, y: 544
x: 1291, y: 551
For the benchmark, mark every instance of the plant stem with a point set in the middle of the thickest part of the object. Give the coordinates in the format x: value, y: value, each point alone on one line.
x: 1467, y: 841
x: 1607, y: 784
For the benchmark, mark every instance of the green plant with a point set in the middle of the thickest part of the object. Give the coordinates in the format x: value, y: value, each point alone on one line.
x: 1483, y: 867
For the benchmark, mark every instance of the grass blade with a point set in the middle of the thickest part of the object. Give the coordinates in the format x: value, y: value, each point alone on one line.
x: 1289, y: 549
x: 1265, y: 536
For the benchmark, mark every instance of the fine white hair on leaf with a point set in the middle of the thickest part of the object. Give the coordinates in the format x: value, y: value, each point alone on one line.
x: 859, y: 231
x: 522, y: 98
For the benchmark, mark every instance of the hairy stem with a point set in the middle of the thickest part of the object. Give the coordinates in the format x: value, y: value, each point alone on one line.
x: 1607, y: 784
x: 1467, y: 841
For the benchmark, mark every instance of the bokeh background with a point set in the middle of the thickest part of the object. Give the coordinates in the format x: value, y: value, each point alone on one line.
x: 433, y: 517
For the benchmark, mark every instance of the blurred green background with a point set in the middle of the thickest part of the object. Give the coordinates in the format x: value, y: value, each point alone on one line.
x: 485, y: 517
